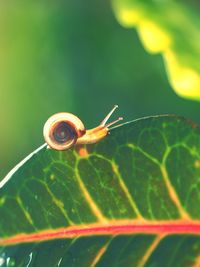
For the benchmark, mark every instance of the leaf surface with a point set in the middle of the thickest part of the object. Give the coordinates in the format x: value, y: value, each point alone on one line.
x: 130, y: 200
x: 173, y: 29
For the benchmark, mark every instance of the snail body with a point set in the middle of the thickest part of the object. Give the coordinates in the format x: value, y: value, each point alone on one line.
x: 64, y: 130
x: 93, y: 135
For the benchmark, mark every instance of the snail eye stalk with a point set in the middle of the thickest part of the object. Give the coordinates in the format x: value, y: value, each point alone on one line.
x: 103, y: 123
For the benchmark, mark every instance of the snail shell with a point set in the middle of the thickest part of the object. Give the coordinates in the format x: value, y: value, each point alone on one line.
x: 62, y: 130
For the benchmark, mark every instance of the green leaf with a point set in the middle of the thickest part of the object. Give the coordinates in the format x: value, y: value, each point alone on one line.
x: 132, y: 199
x: 173, y: 29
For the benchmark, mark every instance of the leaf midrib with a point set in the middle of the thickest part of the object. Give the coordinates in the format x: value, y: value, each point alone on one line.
x: 123, y: 227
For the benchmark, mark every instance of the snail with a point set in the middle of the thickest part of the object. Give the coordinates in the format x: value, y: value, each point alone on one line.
x: 64, y: 130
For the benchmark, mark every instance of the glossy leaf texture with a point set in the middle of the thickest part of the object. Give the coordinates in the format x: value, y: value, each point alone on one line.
x: 133, y: 199
x: 173, y: 29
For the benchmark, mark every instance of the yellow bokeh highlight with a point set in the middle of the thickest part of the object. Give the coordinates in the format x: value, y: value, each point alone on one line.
x: 159, y: 35
x: 153, y: 37
x: 129, y: 17
x: 185, y: 80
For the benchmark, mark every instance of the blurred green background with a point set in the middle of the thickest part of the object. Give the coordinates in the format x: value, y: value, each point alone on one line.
x: 73, y: 56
